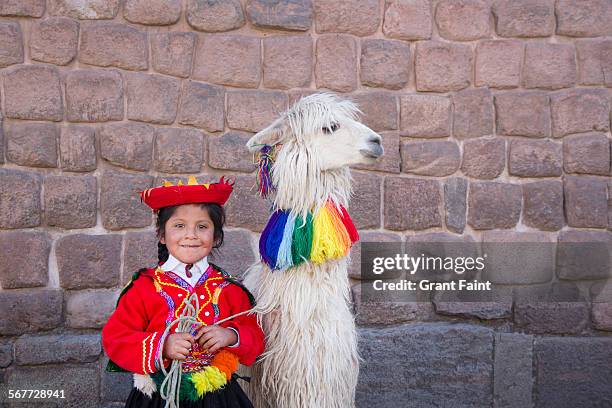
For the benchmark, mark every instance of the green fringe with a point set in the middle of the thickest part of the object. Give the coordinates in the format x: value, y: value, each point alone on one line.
x: 301, y: 240
x: 187, y: 390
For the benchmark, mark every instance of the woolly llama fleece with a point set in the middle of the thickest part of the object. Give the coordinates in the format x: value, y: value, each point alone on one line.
x: 301, y: 283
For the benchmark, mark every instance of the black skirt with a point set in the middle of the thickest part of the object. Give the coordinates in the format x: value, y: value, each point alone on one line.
x: 230, y: 396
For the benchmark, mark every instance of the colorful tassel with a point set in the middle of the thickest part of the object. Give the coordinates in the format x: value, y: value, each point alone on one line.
x: 288, y: 240
x: 264, y: 171
x: 208, y: 380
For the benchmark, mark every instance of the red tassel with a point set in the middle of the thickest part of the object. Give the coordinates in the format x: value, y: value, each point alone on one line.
x: 350, y: 227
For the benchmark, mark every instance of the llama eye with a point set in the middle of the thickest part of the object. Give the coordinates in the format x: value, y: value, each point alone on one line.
x: 332, y: 128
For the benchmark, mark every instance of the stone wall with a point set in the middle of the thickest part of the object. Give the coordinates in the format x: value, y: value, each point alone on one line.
x: 496, y: 123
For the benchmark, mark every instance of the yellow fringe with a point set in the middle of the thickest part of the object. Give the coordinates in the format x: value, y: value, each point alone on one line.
x: 330, y: 238
x: 208, y: 380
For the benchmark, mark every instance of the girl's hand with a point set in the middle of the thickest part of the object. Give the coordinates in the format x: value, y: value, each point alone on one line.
x: 213, y: 338
x: 178, y: 346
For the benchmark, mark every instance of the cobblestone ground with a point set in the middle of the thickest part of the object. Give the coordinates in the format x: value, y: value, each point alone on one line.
x: 496, y: 124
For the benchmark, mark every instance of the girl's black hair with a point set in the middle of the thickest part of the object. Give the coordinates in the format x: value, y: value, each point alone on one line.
x: 215, y: 212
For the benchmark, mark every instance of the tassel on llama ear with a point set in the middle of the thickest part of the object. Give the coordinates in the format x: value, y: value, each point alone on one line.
x: 264, y: 170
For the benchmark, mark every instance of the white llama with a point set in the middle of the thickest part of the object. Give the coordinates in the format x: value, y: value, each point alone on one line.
x: 311, y: 356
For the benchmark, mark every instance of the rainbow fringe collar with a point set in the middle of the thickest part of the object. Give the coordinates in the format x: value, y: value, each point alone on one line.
x: 288, y: 239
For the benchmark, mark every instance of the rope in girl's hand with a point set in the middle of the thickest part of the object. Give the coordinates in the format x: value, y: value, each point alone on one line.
x: 169, y: 389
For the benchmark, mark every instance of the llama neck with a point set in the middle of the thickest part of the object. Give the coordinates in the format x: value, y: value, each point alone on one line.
x: 301, y: 187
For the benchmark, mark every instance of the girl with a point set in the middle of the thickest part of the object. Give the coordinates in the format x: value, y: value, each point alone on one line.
x: 189, y: 225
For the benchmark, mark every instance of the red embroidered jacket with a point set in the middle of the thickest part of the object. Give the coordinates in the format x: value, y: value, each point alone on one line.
x: 132, y: 337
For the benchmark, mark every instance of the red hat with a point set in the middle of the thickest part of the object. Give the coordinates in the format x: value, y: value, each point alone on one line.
x: 191, y: 193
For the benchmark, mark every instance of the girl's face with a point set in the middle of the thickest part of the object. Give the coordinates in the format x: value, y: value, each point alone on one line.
x: 189, y: 233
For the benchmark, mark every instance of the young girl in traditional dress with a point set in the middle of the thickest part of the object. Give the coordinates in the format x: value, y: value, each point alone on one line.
x: 189, y: 225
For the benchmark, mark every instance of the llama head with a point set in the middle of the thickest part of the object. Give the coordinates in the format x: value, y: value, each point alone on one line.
x: 315, y: 141
x: 326, y: 126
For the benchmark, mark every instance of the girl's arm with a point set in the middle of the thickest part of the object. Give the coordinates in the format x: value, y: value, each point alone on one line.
x: 124, y: 337
x: 250, y: 336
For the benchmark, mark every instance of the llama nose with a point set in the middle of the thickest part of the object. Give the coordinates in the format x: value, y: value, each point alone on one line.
x: 375, y: 140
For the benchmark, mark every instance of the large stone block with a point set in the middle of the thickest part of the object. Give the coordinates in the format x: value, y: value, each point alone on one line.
x: 77, y: 148
x: 584, y: 255
x: 6, y: 354
x: 355, y: 17
x: 287, y: 61
x: 455, y: 193
x: 30, y: 311
x: 442, y: 67
x: 152, y: 12
x: 594, y: 62
x: 32, y: 272
x: 228, y: 152
x: 71, y: 202
x: 494, y: 205
x: 589, y: 18
x: 236, y: 254
x: 36, y: 350
x: 336, y: 62
x: 601, y: 305
x: 54, y: 40
x: 523, y: 114
x: 380, y: 110
x: 32, y: 144
x: 20, y: 205
x: 385, y: 63
x: 556, y: 308
x: 445, y: 360
x: 573, y: 371
x: 543, y: 205
x: 407, y: 19
x: 33, y: 92
x: 535, y: 158
x: 22, y: 8
x: 94, y: 96
x: 128, y: 145
x: 90, y: 309
x: 139, y: 251
x: 120, y: 201
x: 152, y: 98
x: 586, y: 204
x: 388, y: 312
x: 580, y: 110
x: 484, y: 158
x: 172, y: 53
x: 518, y: 258
x: 425, y: 116
x: 179, y: 150
x: 549, y: 66
x: 365, y: 204
x: 524, y: 18
x: 233, y: 60
x: 411, y: 204
x: 283, y: 14
x: 461, y: 20
x: 253, y: 110
x: 214, y: 15
x: 202, y: 106
x: 430, y: 158
x: 85, y: 9
x: 246, y: 209
x: 81, y: 384
x: 498, y: 63
x: 473, y: 113
x: 11, y: 44
x: 391, y: 160
x: 587, y: 153
x: 112, y: 44
x: 88, y: 261
x: 513, y: 379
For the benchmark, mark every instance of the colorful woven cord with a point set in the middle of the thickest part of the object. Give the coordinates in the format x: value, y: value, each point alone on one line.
x: 288, y: 240
x: 264, y: 171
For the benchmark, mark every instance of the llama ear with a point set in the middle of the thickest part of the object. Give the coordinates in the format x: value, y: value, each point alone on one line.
x: 269, y: 136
